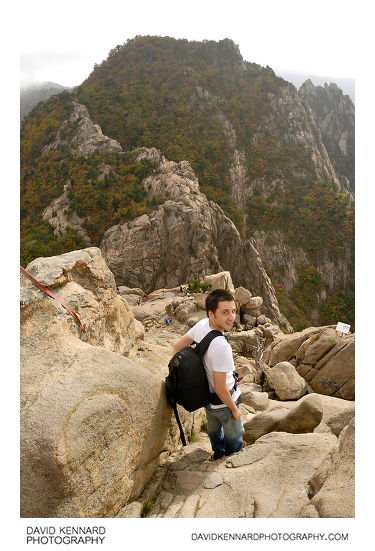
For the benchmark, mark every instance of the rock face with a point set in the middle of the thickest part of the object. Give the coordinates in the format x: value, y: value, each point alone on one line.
x: 94, y: 424
x: 56, y: 216
x: 322, y: 357
x: 320, y: 120
x: 302, y: 129
x: 334, y: 115
x: 283, y: 258
x: 82, y: 280
x: 186, y: 237
x: 80, y: 136
x: 333, y: 482
x: 265, y: 480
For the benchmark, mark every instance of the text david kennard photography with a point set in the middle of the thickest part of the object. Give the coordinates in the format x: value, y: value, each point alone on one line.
x: 65, y: 534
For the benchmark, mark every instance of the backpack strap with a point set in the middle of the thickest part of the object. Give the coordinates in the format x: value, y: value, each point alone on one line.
x: 202, y: 347
x: 172, y: 402
x: 182, y: 436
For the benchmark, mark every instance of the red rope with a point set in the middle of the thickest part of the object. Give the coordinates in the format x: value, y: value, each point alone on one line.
x: 49, y: 293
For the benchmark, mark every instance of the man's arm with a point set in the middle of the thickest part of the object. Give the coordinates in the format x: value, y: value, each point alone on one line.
x: 181, y: 343
x: 222, y: 391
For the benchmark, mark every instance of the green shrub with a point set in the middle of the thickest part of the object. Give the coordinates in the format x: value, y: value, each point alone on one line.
x: 148, y: 506
x: 197, y: 286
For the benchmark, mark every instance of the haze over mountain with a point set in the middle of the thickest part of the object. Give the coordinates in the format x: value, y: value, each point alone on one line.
x: 297, y: 78
x: 278, y: 162
x: 32, y: 93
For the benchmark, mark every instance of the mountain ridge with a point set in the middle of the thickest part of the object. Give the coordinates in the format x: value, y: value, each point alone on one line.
x: 253, y: 142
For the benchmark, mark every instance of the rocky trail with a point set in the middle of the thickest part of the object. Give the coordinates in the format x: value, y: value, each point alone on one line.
x: 98, y: 438
x: 274, y: 478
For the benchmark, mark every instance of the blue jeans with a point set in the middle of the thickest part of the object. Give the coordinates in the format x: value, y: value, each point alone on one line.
x: 224, y: 434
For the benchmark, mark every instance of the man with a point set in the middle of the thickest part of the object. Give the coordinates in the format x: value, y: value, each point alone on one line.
x: 224, y: 425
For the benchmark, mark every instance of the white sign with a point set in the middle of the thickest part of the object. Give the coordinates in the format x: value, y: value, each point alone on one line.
x: 342, y: 327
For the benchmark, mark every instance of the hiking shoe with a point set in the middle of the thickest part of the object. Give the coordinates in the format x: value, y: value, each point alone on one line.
x: 216, y: 456
x: 242, y: 447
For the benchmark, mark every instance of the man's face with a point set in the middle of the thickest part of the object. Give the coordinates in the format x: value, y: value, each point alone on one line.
x: 224, y: 316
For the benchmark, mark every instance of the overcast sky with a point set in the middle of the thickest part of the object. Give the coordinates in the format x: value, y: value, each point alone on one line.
x: 61, y: 41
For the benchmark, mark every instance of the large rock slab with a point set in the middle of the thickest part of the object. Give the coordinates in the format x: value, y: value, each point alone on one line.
x: 333, y: 482
x: 268, y: 479
x: 335, y: 373
x: 341, y: 419
x: 94, y: 424
x: 303, y: 417
x: 335, y: 407
x: 260, y: 424
x: 285, y: 346
x: 152, y: 310
x: 321, y: 356
x: 83, y: 281
x: 91, y: 433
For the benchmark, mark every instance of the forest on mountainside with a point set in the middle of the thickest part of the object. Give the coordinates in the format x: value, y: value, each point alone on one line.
x: 174, y: 95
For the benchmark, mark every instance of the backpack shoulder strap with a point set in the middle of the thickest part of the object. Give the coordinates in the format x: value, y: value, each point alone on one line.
x: 202, y: 347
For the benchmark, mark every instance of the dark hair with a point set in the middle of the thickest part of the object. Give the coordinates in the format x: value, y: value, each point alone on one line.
x: 216, y: 296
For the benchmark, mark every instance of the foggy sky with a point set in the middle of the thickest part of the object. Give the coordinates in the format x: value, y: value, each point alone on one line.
x: 62, y: 42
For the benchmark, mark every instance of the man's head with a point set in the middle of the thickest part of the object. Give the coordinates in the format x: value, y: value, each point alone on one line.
x: 221, y: 309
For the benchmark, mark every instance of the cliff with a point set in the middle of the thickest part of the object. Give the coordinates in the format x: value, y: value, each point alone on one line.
x: 185, y: 238
x: 334, y: 115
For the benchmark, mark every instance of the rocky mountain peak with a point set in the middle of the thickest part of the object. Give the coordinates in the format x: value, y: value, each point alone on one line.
x: 185, y: 238
x: 79, y: 135
x: 173, y: 180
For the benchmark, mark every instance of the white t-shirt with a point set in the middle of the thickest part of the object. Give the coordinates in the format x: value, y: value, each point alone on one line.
x: 218, y: 357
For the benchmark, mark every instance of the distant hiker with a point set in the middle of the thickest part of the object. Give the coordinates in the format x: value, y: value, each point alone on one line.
x: 224, y: 424
x: 188, y: 293
x: 166, y: 321
x: 118, y: 290
x: 144, y: 298
x: 138, y: 301
x: 181, y: 290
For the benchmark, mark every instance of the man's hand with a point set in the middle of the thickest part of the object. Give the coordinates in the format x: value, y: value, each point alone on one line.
x: 222, y: 391
x: 236, y: 414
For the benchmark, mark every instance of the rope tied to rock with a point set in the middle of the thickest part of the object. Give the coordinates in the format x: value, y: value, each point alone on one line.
x: 50, y: 294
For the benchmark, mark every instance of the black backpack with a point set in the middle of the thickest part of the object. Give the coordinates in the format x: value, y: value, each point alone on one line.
x: 187, y: 383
